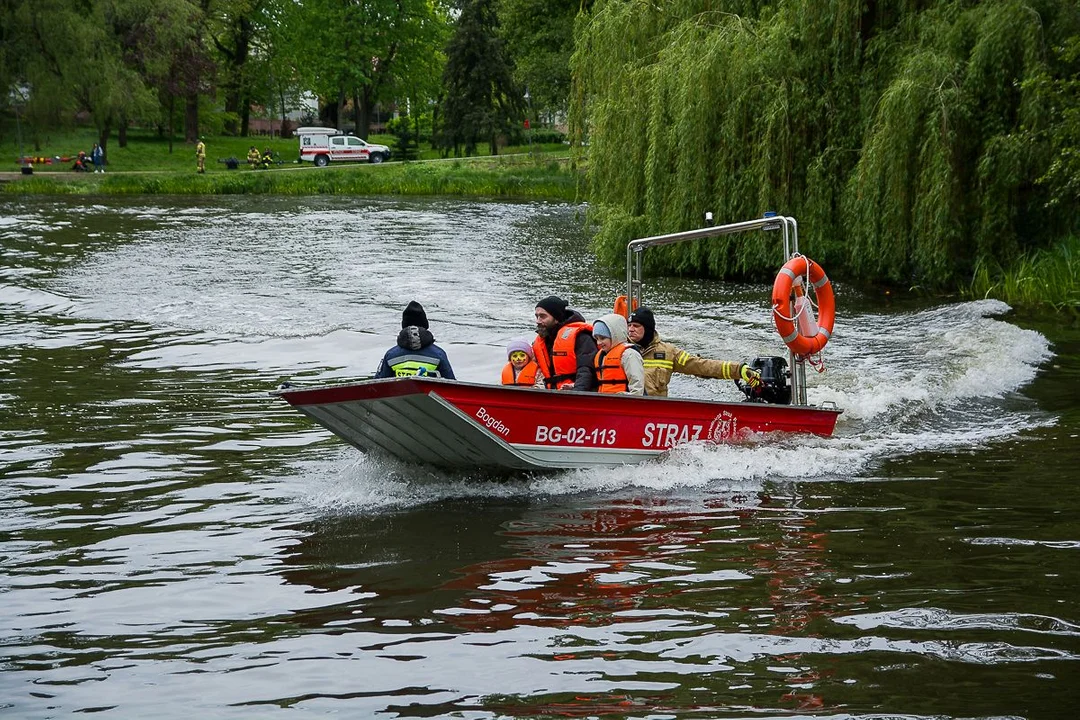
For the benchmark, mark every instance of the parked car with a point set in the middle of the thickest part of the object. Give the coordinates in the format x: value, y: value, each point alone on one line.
x: 325, y: 145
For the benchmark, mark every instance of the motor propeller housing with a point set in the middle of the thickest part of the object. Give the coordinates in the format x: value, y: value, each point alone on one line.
x: 775, y: 387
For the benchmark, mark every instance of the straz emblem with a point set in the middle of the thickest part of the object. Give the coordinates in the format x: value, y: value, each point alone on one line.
x: 724, y: 426
x: 660, y: 355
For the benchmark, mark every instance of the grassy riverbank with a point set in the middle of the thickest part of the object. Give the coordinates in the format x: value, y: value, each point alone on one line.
x: 522, y: 176
x: 149, y: 165
x: 1039, y: 279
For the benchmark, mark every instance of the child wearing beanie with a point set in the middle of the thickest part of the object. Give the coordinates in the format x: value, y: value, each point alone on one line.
x: 521, y: 368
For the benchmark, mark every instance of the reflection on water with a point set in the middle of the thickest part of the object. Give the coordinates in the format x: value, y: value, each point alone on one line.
x: 172, y: 538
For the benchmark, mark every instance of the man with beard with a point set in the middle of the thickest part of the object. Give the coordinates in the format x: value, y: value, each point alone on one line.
x: 662, y: 358
x: 416, y: 352
x: 564, y: 346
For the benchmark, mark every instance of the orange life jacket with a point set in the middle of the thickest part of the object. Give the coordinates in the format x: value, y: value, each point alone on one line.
x: 609, y: 370
x: 525, y: 376
x: 560, y: 368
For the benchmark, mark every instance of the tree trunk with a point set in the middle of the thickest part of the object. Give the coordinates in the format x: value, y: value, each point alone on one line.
x: 172, y: 110
x: 121, y: 134
x: 365, y: 104
x: 357, y: 112
x: 232, y: 110
x: 103, y: 141
x: 237, y: 98
x: 191, y: 118
x: 284, y: 114
x: 328, y: 115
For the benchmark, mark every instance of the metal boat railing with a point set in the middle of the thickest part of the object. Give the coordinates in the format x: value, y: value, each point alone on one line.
x: 790, y: 232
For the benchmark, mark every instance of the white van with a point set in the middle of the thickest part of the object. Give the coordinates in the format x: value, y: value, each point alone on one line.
x: 322, y: 145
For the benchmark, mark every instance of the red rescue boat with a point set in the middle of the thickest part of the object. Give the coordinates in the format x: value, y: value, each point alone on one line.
x: 453, y: 424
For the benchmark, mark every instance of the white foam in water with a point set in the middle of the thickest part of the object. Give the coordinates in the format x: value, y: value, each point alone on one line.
x: 929, y: 360
x: 929, y: 381
x: 303, y: 288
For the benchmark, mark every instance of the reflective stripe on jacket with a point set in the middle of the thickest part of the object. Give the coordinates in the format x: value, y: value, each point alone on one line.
x: 560, y: 368
x: 525, y: 376
x: 662, y: 359
x: 408, y: 365
x: 609, y: 370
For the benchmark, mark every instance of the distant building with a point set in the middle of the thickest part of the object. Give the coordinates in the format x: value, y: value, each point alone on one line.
x: 265, y: 121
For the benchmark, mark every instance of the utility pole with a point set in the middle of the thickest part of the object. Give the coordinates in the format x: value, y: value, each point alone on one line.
x: 528, y: 112
x: 24, y: 165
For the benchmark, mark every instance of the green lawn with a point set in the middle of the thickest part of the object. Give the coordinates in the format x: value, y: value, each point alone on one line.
x: 146, y: 166
x: 146, y: 151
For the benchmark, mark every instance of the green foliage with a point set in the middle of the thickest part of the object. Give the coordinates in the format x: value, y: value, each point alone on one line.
x: 96, y: 56
x: 408, y: 132
x: 1042, y: 277
x: 480, y: 101
x: 512, y: 176
x: 539, y: 36
x: 545, y: 136
x: 366, y: 51
x: 159, y: 62
x: 910, y: 140
x: 1062, y: 97
x: 419, y: 123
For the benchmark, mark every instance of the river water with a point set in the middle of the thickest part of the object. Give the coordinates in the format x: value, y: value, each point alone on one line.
x: 176, y: 543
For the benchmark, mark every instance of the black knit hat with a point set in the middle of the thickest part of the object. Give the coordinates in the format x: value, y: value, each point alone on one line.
x: 414, y: 315
x: 555, y: 306
x: 643, y: 316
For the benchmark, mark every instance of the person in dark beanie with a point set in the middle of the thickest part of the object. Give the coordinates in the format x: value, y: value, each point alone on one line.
x: 662, y: 358
x: 416, y: 352
x: 564, y: 346
x: 414, y: 314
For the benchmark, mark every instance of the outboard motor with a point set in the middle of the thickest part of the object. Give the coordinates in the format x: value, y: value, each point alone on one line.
x: 775, y: 388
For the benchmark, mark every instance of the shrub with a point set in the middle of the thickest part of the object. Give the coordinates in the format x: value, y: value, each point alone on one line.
x: 545, y: 135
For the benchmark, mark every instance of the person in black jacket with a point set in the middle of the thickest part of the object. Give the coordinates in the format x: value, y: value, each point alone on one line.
x: 564, y: 346
x: 416, y: 352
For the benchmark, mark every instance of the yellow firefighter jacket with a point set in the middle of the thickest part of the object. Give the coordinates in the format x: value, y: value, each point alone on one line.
x: 662, y: 359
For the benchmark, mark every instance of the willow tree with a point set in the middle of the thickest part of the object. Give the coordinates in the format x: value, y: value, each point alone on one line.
x: 907, y: 138
x: 95, y: 56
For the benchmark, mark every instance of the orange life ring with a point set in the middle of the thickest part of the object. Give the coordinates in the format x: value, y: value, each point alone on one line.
x: 783, y: 314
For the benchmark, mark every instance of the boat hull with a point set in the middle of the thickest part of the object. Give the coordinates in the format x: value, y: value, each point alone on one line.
x: 459, y: 425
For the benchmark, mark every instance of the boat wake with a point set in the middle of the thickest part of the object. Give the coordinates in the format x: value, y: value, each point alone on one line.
x: 943, y: 379
x: 271, y: 304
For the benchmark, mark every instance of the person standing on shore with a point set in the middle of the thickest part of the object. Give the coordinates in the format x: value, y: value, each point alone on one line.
x: 97, y: 156
x: 200, y: 156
